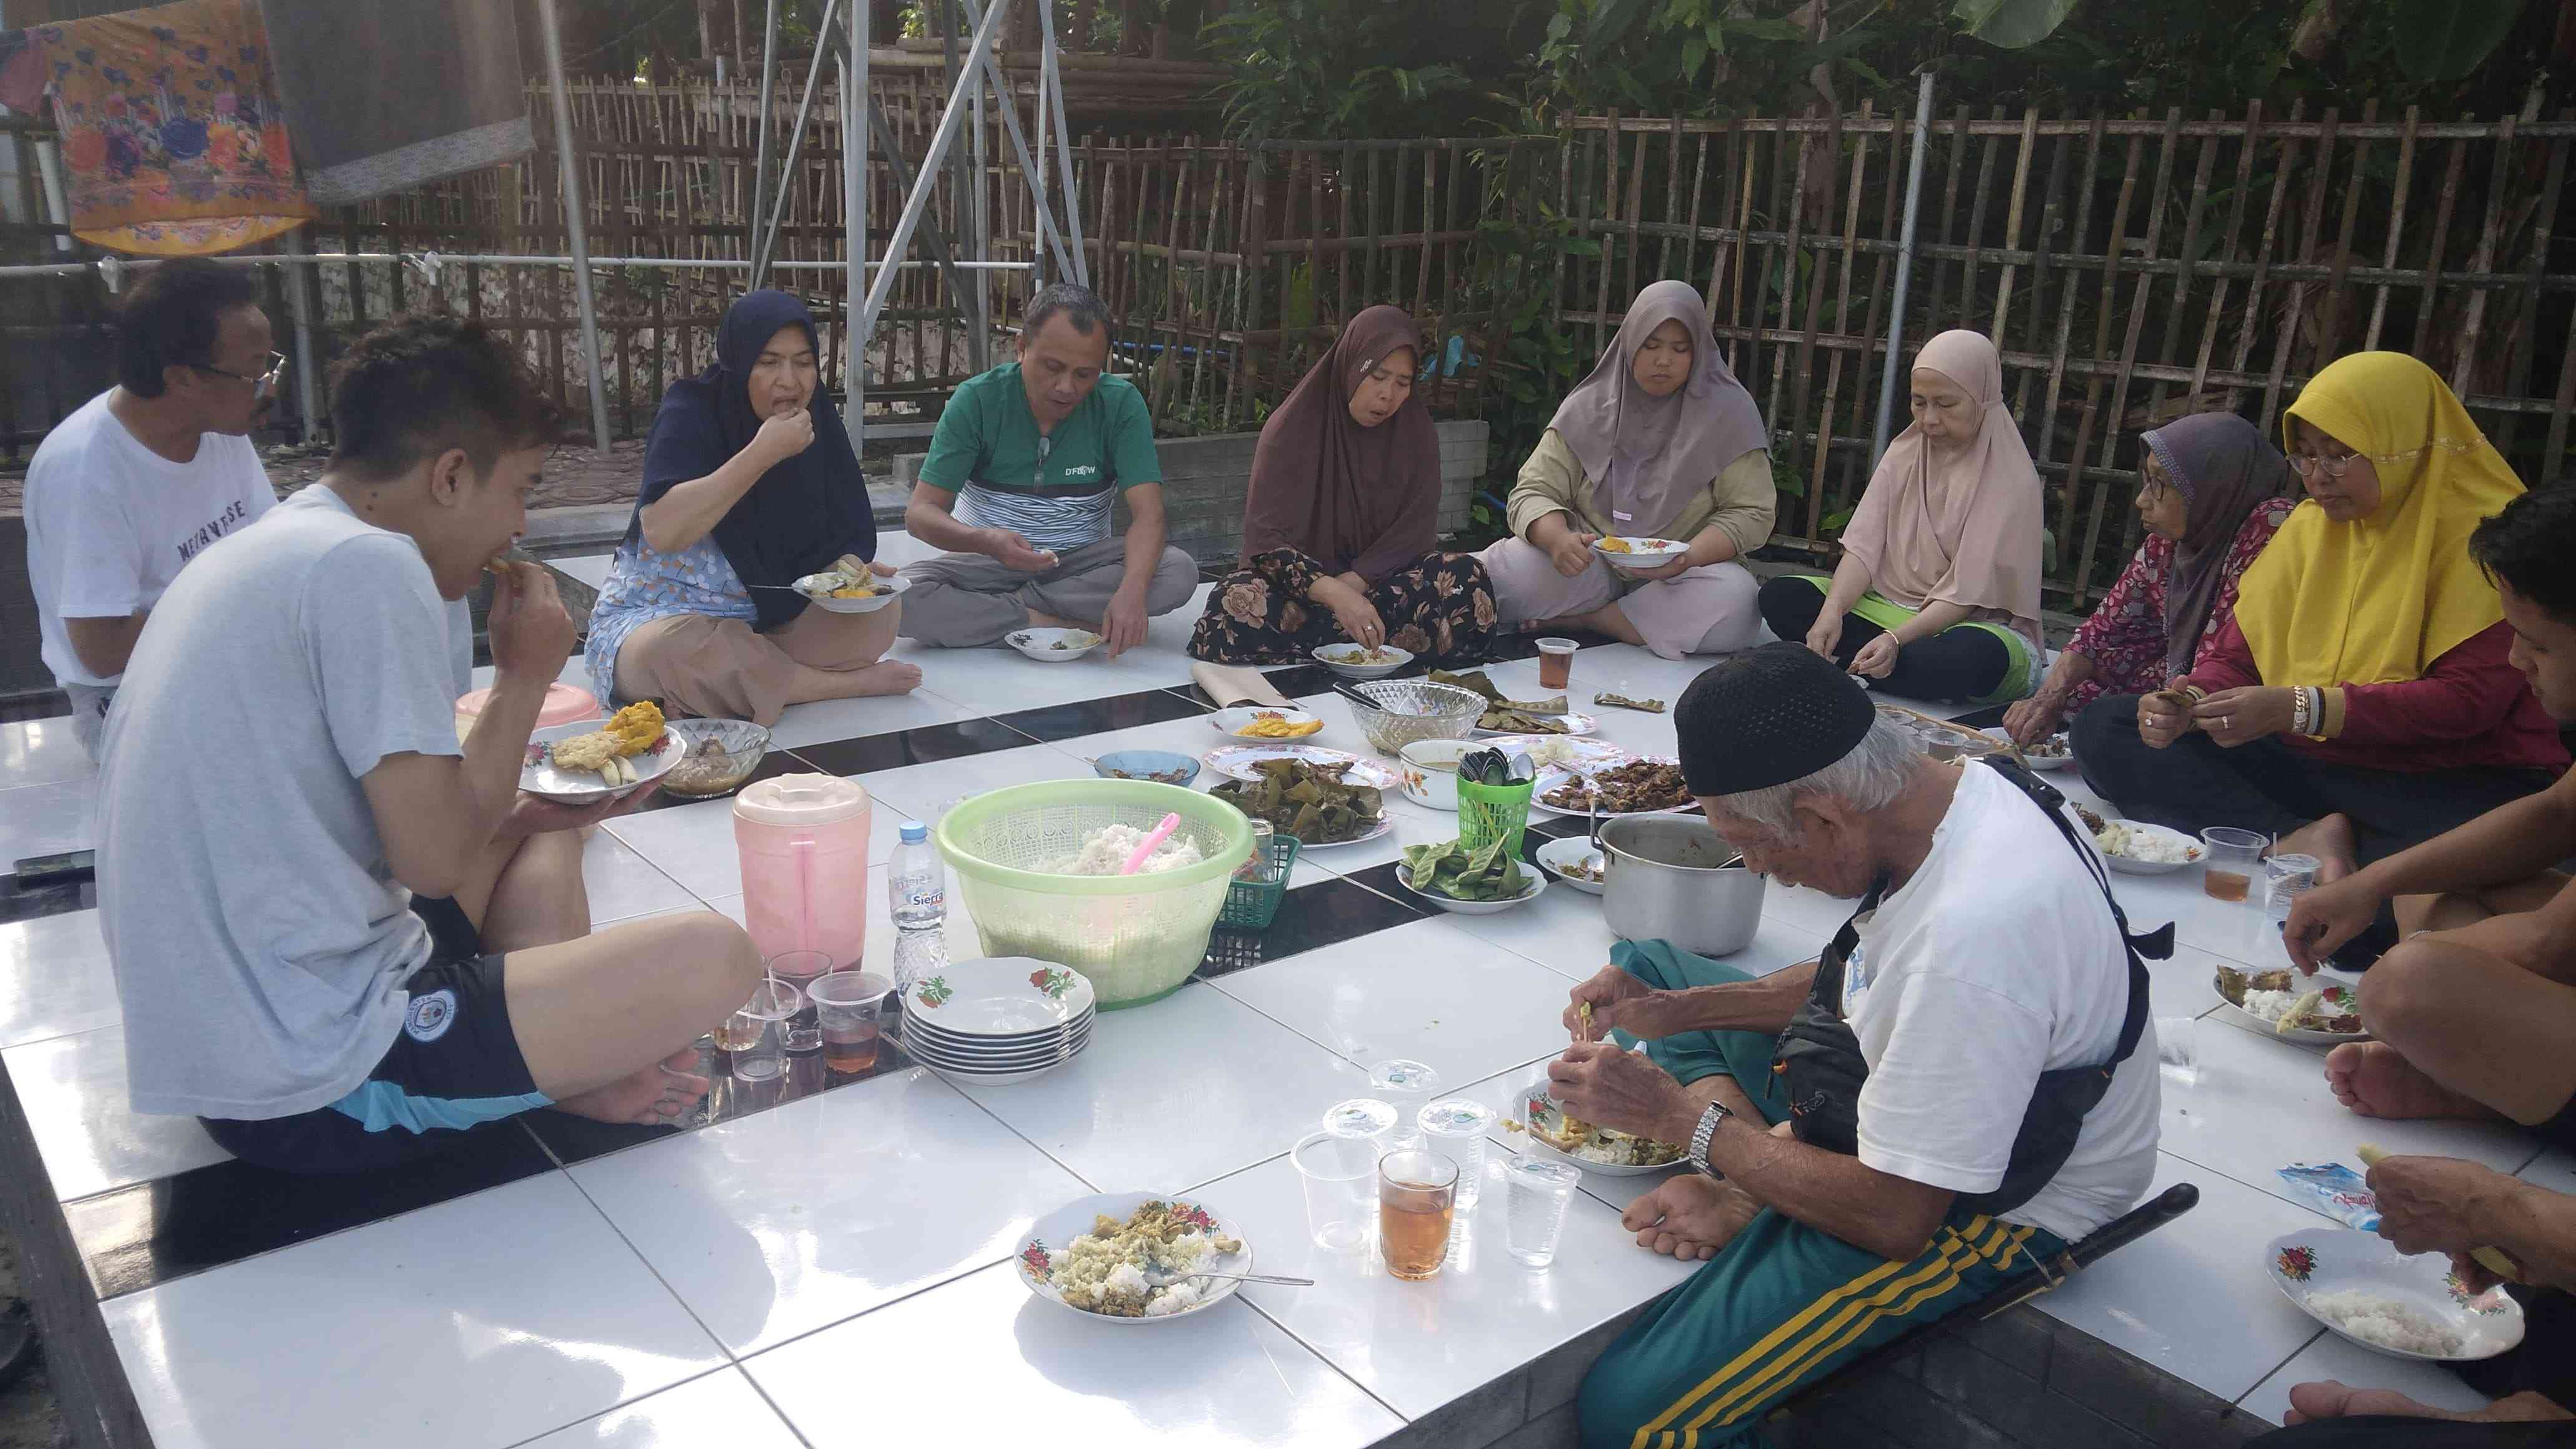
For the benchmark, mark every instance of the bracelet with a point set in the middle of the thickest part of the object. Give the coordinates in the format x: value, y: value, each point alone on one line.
x: 2298, y: 711
x: 2316, y: 724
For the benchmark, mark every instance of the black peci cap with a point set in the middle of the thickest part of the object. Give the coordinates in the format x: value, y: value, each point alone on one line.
x: 1779, y: 713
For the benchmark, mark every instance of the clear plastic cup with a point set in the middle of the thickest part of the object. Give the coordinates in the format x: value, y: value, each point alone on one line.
x: 1455, y: 1129
x: 2234, y: 862
x: 847, y: 1005
x: 2178, y: 1049
x: 801, y: 969
x: 2285, y: 879
x: 1340, y: 1175
x: 1556, y: 663
x: 1536, y: 1193
x: 1363, y: 1119
x: 1417, y: 1200
x: 756, y: 1033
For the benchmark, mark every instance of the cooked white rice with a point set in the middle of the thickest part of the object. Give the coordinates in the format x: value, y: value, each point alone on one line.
x: 2380, y: 1319
x: 2147, y: 847
x: 1105, y: 852
x: 2269, y: 1005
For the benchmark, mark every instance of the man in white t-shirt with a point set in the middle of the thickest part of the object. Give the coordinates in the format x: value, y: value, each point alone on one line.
x: 145, y: 475
x: 1872, y: 1132
x: 339, y: 939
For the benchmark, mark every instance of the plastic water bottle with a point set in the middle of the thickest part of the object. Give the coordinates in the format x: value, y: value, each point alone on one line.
x: 917, y: 898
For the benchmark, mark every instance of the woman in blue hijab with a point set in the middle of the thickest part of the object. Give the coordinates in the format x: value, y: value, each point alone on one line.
x: 749, y: 484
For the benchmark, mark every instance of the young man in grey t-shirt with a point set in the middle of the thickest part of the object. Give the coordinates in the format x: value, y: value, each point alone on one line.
x: 339, y: 940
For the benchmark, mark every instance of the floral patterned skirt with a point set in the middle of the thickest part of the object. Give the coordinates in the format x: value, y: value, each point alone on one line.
x: 1438, y: 608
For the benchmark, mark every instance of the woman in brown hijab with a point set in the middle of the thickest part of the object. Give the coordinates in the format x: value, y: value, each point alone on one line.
x: 1660, y: 442
x: 1341, y: 530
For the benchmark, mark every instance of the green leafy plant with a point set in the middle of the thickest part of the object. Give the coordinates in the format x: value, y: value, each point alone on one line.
x: 2012, y: 24
x: 1302, y: 68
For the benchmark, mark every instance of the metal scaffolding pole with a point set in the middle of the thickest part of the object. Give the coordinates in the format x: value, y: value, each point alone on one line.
x: 858, y: 103
x: 576, y: 226
x: 1064, y: 156
x: 1904, y: 270
x: 951, y: 118
x: 1031, y: 168
x: 974, y: 215
x: 765, y: 238
x: 760, y: 165
x: 299, y: 307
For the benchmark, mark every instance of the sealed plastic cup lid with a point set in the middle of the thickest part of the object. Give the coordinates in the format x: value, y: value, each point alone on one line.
x: 800, y: 800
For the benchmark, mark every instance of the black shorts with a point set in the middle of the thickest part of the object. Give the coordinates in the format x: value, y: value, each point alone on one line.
x: 455, y: 1067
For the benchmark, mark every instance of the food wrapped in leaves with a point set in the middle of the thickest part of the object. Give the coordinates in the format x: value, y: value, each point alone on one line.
x: 1524, y: 716
x: 1307, y: 801
x: 1451, y: 869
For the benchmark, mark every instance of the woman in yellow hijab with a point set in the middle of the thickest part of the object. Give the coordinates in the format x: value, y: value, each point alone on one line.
x: 2361, y: 700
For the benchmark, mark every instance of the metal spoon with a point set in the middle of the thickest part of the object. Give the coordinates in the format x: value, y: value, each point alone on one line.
x: 1255, y: 1278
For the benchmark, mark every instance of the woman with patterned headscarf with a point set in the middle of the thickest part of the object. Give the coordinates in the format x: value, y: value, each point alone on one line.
x: 2210, y: 494
x: 2363, y: 698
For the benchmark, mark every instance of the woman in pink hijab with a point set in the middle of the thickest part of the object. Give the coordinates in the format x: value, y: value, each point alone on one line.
x: 1937, y: 595
x: 1660, y: 442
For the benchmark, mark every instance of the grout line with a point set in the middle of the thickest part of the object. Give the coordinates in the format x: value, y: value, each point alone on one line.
x: 613, y: 1408
x: 2304, y: 1345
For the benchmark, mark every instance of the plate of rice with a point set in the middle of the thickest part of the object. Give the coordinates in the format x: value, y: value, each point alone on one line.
x: 2133, y: 847
x: 1536, y: 1119
x: 2320, y: 1009
x: 2361, y: 1287
x: 1128, y: 1257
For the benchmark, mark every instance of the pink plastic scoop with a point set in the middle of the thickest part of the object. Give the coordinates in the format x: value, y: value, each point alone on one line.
x: 1154, y: 837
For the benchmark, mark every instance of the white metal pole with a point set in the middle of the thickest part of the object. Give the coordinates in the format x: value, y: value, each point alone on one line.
x: 951, y: 118
x: 978, y: 223
x: 1028, y: 166
x: 854, y: 190
x: 1904, y: 270
x: 1037, y: 177
x: 576, y: 227
x: 760, y: 163
x: 767, y: 238
x: 1064, y: 164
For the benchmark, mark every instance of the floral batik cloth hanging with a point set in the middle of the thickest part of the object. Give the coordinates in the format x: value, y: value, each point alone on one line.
x: 173, y: 141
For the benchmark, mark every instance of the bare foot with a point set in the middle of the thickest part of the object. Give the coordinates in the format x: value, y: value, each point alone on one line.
x: 2330, y: 1399
x: 1690, y: 1217
x: 886, y: 676
x: 2331, y: 841
x: 657, y: 1096
x: 2372, y: 1079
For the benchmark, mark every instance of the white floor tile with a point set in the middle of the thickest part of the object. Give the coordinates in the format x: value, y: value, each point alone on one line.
x: 845, y: 719
x: 1425, y: 991
x: 72, y: 1089
x: 41, y: 752
x: 2192, y: 1298
x: 986, y: 1351
x: 1418, y: 1345
x: 924, y: 792
x: 623, y: 884
x: 999, y: 679
x: 481, y: 1321
x: 54, y: 978
x: 1195, y: 1086
x: 2554, y: 1169
x: 719, y: 1409
x: 2260, y: 1105
x: 2236, y: 930
x: 2329, y: 1357
x: 48, y: 819
x: 785, y: 1221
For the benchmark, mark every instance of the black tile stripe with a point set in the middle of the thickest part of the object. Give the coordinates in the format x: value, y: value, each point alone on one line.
x: 1057, y: 723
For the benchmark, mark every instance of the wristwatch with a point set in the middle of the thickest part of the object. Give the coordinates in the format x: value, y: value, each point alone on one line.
x: 1701, y: 1134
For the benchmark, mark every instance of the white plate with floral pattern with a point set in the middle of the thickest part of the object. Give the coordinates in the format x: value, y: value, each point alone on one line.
x: 1243, y: 762
x: 2312, y: 1264
x: 1000, y: 996
x: 1049, y: 1237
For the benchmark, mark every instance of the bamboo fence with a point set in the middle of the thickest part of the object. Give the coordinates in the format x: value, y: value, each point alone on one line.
x: 2131, y: 270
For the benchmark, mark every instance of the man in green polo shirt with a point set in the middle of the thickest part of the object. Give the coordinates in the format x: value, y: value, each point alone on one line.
x: 1018, y: 486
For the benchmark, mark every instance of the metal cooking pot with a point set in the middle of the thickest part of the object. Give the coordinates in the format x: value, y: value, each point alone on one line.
x: 1673, y: 878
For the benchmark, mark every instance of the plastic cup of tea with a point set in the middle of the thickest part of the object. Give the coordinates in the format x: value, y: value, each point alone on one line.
x: 1417, y: 1197
x: 1455, y: 1128
x: 847, y: 1007
x: 756, y: 1033
x: 1536, y: 1193
x: 1556, y: 663
x: 1340, y: 1175
x: 2234, y: 861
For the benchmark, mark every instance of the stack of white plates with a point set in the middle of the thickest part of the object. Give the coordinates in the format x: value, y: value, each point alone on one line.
x: 1000, y: 1019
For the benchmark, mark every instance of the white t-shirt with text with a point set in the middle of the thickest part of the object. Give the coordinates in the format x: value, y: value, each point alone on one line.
x: 1998, y: 960
x: 110, y: 522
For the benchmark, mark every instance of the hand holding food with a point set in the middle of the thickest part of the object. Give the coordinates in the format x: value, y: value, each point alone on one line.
x: 2235, y: 717
x: 1572, y: 552
x: 531, y: 633
x: 2324, y: 918
x: 1877, y: 658
x: 2164, y: 716
x: 2435, y: 1204
x: 784, y: 435
x: 2034, y: 718
x: 1598, y: 1001
x: 1013, y: 550
x: 1826, y: 634
x: 1358, y: 618
x: 1599, y: 1082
